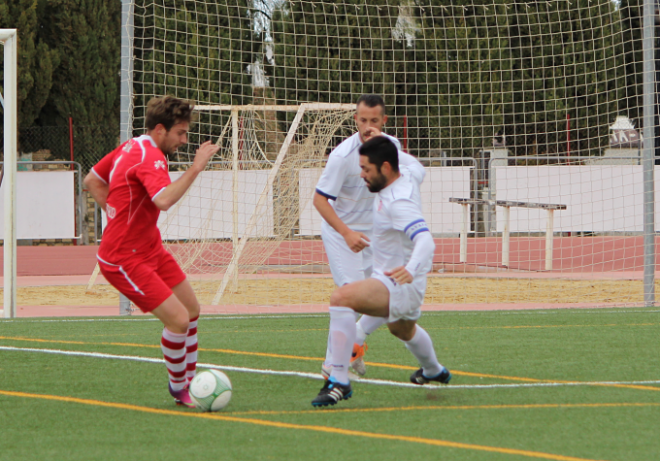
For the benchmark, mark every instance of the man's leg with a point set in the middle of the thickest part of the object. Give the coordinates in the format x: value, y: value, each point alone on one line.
x: 346, y: 267
x: 173, y: 344
x: 366, y: 296
x: 367, y: 323
x: 184, y: 292
x: 419, y: 343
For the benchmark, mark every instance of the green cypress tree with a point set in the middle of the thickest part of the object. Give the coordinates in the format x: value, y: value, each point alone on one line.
x: 36, y: 59
x: 87, y: 35
x: 86, y: 83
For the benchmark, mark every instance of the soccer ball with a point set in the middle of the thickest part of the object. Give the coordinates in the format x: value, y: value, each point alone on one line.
x: 210, y: 390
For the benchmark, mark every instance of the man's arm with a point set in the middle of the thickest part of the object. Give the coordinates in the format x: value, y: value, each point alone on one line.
x: 407, y: 217
x: 166, y: 198
x: 422, y: 252
x: 97, y: 188
x: 356, y: 241
x: 417, y: 170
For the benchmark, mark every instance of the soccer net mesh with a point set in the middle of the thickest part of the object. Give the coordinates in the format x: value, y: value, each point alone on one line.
x: 515, y: 106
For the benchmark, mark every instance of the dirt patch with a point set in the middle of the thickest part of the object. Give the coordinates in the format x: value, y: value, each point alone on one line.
x: 441, y: 290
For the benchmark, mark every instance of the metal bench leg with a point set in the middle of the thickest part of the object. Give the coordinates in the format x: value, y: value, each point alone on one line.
x: 506, y: 236
x: 464, y: 231
x: 549, y: 240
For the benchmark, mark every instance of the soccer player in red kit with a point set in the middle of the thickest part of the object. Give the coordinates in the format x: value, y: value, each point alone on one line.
x: 132, y: 185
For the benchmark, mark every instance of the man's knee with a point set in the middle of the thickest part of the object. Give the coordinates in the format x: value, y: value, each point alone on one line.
x: 178, y: 323
x: 403, y: 329
x: 339, y: 298
x: 193, y: 309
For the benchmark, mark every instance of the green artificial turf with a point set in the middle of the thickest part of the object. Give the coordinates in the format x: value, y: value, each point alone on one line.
x: 271, y: 416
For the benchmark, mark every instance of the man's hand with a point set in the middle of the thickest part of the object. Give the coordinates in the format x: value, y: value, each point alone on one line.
x: 356, y: 241
x: 400, y: 275
x: 203, y: 155
x: 371, y: 133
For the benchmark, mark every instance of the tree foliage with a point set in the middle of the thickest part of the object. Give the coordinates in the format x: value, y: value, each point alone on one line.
x: 86, y: 83
x: 37, y: 60
x: 193, y: 50
x: 462, y: 71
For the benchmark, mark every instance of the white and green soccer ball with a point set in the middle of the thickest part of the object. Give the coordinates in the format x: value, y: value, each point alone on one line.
x: 210, y: 390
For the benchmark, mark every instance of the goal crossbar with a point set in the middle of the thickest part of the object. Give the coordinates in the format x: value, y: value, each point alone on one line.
x: 309, y: 107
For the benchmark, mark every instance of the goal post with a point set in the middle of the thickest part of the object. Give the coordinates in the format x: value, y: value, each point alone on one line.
x: 232, y: 270
x: 9, y: 39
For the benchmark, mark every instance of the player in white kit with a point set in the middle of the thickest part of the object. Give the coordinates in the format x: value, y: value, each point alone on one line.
x: 402, y: 256
x: 346, y: 206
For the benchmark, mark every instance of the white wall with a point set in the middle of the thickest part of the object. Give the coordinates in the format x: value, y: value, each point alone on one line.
x: 599, y: 198
x: 45, y: 205
x: 206, y: 211
x: 439, y: 185
x: 310, y: 219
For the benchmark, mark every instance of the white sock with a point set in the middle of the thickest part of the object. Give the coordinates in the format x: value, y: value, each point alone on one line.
x: 328, y: 353
x: 421, y: 347
x: 342, y: 337
x: 367, y: 325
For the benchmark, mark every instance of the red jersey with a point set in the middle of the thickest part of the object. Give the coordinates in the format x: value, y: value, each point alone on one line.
x: 136, y: 172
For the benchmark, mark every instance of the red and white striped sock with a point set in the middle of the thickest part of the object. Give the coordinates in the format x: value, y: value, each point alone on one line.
x: 191, y: 349
x: 174, y: 351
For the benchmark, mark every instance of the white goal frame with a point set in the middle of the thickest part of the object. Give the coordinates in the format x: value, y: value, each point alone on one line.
x: 231, y: 274
x: 9, y: 39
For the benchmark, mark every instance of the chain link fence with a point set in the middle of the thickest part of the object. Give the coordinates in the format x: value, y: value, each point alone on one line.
x: 88, y: 143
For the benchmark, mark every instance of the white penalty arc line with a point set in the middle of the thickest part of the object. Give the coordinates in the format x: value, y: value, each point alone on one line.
x: 316, y: 376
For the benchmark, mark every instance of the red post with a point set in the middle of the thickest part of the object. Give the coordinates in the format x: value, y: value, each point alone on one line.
x: 405, y: 133
x: 75, y: 241
x: 71, y: 139
x: 568, y: 136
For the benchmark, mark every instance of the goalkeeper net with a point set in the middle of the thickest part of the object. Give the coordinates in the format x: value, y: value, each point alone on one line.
x: 532, y: 103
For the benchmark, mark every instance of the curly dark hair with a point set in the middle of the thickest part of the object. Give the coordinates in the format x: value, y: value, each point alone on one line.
x: 168, y: 111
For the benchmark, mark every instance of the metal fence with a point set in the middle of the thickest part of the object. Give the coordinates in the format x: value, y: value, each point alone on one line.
x: 87, y: 143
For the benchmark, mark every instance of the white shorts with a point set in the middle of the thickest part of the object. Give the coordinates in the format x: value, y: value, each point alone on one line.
x: 405, y: 300
x: 345, y: 265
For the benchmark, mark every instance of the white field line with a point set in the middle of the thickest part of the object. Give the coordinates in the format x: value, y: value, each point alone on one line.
x: 317, y: 376
x: 298, y: 316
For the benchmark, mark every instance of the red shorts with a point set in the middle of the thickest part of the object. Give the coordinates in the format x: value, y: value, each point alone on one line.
x: 146, y: 282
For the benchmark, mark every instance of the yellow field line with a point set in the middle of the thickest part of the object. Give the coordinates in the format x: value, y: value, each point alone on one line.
x: 453, y: 407
x: 505, y: 327
x: 282, y: 425
x: 318, y: 359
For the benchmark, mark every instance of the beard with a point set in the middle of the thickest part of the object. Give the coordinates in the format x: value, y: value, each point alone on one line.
x: 377, y: 184
x: 168, y: 151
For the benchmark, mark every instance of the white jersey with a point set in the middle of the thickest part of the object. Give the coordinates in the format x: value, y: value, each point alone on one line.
x: 397, y: 220
x: 342, y: 184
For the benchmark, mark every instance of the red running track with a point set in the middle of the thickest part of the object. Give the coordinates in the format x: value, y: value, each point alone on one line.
x: 571, y: 254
